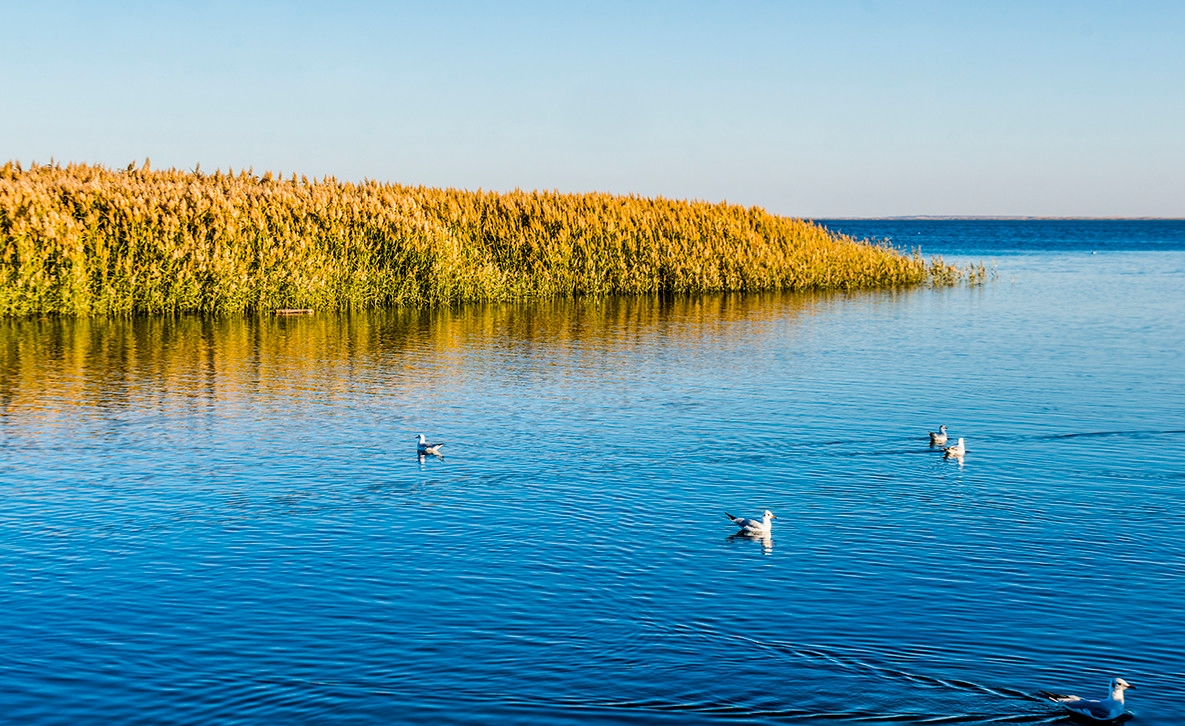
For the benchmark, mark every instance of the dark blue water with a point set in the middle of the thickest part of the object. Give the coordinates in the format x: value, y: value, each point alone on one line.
x: 224, y: 521
x: 1009, y: 237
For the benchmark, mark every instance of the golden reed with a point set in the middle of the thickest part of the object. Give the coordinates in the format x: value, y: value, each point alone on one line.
x: 88, y: 240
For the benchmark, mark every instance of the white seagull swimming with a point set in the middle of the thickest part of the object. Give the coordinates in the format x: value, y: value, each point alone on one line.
x: 938, y: 437
x: 1095, y: 709
x: 754, y: 526
x: 957, y: 450
x: 423, y: 447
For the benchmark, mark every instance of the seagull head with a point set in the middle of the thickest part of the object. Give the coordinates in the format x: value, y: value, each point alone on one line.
x: 942, y: 429
x: 422, y: 439
x: 1120, y: 685
x: 769, y: 515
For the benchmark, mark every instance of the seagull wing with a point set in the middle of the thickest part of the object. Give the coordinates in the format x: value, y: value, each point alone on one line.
x: 1103, y: 711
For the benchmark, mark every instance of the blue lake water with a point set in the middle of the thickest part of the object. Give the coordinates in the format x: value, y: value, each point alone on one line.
x: 225, y: 521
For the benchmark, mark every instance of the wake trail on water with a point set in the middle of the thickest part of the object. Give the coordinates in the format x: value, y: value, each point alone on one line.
x: 1101, y: 434
x: 888, y: 452
x: 739, y: 711
x: 852, y: 662
x: 847, y: 660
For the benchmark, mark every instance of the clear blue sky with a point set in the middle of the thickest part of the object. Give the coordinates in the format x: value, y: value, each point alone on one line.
x: 827, y: 108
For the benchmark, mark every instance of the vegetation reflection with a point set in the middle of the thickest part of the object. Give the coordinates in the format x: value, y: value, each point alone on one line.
x: 63, y: 364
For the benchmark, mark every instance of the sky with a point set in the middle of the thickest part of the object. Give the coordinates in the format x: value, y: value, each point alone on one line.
x: 835, y: 108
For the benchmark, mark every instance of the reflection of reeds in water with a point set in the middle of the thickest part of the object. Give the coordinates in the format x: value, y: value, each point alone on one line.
x: 63, y: 366
x: 86, y: 240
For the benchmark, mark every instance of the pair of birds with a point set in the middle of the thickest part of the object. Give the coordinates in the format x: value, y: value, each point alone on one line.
x: 938, y: 438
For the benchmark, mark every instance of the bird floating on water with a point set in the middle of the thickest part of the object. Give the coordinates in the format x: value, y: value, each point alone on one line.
x: 938, y: 437
x: 957, y: 450
x: 423, y: 447
x: 1094, y: 709
x: 754, y: 526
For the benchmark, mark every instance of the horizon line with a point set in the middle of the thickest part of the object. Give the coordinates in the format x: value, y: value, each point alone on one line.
x: 1000, y: 217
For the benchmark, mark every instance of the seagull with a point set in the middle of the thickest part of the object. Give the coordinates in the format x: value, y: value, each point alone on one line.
x: 957, y: 450
x: 761, y: 526
x: 939, y: 437
x: 1106, y: 709
x: 423, y: 447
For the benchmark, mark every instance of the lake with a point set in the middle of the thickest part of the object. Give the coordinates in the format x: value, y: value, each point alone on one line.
x: 225, y: 520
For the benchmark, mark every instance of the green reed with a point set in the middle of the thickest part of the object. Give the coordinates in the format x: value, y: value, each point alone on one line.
x: 87, y: 240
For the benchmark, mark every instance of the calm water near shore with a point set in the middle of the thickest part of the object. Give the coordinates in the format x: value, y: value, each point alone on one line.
x: 224, y: 521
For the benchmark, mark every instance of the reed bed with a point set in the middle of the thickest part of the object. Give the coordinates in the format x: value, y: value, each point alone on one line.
x: 89, y: 240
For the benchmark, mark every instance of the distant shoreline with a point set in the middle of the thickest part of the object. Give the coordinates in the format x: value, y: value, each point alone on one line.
x: 999, y: 218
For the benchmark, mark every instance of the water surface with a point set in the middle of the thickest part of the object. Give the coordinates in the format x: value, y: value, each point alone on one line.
x: 214, y: 521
